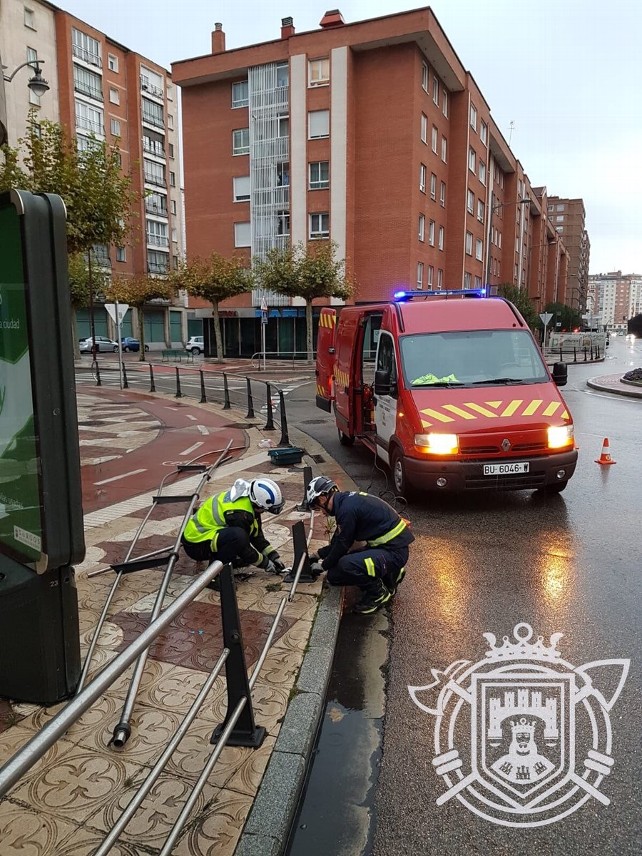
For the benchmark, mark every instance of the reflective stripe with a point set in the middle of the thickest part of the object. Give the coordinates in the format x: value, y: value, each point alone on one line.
x: 370, y: 567
x: 383, y: 539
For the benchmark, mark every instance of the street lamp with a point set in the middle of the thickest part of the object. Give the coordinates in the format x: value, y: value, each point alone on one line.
x: 493, y: 208
x: 37, y: 83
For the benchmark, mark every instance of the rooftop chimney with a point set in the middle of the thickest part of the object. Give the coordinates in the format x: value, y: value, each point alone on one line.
x: 287, y: 27
x: 333, y: 18
x: 218, y: 39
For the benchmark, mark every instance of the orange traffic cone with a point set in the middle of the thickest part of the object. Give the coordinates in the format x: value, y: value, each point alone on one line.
x: 605, y: 457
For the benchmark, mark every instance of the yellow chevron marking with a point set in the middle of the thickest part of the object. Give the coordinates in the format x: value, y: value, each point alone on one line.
x: 512, y: 407
x: 458, y: 411
x: 481, y: 409
x: 494, y: 404
x: 532, y: 407
x: 441, y: 417
x: 550, y: 410
x: 425, y: 424
x: 566, y: 415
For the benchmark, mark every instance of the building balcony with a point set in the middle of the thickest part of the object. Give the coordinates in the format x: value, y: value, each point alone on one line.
x: 153, y: 148
x: 86, y: 56
x: 151, y: 119
x: 156, y: 210
x: 157, y: 240
x: 93, y: 127
x: 150, y: 88
x: 157, y: 181
x: 89, y: 91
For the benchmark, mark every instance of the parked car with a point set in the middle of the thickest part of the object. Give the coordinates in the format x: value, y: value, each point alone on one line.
x: 102, y: 344
x: 195, y: 345
x: 131, y: 344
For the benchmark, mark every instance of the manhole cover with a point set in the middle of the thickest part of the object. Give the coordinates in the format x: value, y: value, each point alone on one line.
x: 313, y: 422
x: 318, y: 459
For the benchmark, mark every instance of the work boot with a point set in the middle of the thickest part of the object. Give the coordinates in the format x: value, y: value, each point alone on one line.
x: 374, y: 597
x: 392, y: 581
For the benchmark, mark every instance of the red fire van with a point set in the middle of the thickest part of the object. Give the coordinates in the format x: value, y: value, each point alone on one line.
x: 450, y: 390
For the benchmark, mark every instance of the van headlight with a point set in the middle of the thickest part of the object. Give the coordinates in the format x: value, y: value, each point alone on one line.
x: 560, y: 436
x: 438, y: 444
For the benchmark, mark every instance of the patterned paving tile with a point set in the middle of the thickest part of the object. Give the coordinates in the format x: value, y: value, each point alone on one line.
x: 28, y: 832
x: 217, y: 829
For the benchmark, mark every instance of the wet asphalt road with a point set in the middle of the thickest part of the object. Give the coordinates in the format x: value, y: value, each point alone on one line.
x: 568, y: 564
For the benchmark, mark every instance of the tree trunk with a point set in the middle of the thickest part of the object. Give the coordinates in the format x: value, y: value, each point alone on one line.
x: 141, y: 333
x: 74, y: 335
x: 217, y: 333
x: 309, y: 330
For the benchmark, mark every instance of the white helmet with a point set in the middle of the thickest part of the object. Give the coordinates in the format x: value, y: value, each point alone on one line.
x: 266, y: 495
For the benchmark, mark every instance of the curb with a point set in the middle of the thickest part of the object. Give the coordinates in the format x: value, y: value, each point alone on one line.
x: 594, y: 383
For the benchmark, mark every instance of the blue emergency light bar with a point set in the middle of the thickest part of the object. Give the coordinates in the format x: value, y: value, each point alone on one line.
x: 402, y: 296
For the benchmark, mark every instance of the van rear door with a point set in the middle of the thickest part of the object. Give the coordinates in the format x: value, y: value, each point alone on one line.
x: 326, y: 358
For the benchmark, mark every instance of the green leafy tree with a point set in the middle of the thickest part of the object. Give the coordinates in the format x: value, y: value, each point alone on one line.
x: 82, y: 285
x: 215, y: 278
x: 309, y: 272
x: 137, y: 291
x: 523, y: 303
x: 564, y: 315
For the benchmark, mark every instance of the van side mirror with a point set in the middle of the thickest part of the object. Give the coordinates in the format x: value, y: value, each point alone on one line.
x: 560, y: 373
x: 383, y: 385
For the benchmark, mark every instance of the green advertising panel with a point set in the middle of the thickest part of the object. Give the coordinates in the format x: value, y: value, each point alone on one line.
x: 20, y: 493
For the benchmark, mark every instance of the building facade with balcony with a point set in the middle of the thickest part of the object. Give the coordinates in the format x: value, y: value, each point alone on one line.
x: 370, y: 134
x: 615, y: 298
x: 101, y: 90
x: 569, y: 220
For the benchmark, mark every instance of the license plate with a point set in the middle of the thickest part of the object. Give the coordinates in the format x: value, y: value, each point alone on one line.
x: 505, y: 469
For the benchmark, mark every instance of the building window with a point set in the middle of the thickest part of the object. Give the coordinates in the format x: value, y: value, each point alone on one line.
x: 30, y: 18
x: 467, y: 280
x: 172, y: 179
x: 154, y: 173
x: 242, y: 235
x: 88, y: 83
x: 472, y: 160
x: 85, y: 48
x: 170, y: 121
x: 422, y: 227
x: 444, y: 102
x: 559, y: 207
x: 283, y: 223
x: 241, y: 141
x: 157, y: 262
x: 433, y: 186
x: 156, y: 203
x: 242, y: 188
x: 422, y: 177
x: 115, y: 128
x: 483, y: 132
x: 284, y: 126
x: 174, y: 206
x: 240, y: 94
x: 435, y: 90
x: 121, y: 254
x: 431, y: 275
x: 114, y: 96
x: 318, y: 124
x: 32, y: 56
x: 431, y: 233
x: 153, y: 113
x: 282, y: 75
x: 420, y: 274
x: 319, y: 174
x: 319, y: 225
x: 479, y: 249
x: 89, y: 118
x: 424, y: 128
x: 441, y: 238
x: 424, y: 76
x: 444, y: 149
x: 112, y: 63
x: 442, y: 194
x: 481, y: 210
x: 473, y: 117
x: 478, y: 282
x: 469, y: 243
x: 440, y: 279
x: 170, y: 149
x: 470, y: 202
x: 482, y: 172
x: 319, y: 72
x: 283, y: 174
x: 434, y: 138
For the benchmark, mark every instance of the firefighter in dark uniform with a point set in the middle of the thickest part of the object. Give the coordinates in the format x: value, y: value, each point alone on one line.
x: 227, y: 527
x: 379, y: 567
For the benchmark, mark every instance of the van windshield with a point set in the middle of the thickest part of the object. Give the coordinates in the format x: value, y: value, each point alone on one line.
x: 471, y: 358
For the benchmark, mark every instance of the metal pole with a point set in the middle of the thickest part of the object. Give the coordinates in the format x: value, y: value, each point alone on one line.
x: 269, y: 425
x: 203, y: 396
x: 226, y: 393
x: 179, y: 394
x: 56, y: 728
x: 121, y: 365
x: 285, y: 440
x: 98, y: 380
x: 123, y: 383
x: 152, y: 385
x: 250, y: 403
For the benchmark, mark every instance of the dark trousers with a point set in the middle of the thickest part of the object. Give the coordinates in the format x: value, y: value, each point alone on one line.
x: 232, y: 546
x: 353, y: 569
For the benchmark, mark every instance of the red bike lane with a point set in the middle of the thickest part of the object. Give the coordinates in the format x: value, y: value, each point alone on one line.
x: 129, y: 441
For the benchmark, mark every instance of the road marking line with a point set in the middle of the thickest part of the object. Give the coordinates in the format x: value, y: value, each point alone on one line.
x: 193, y: 418
x: 191, y: 449
x: 202, y: 429
x: 123, y: 476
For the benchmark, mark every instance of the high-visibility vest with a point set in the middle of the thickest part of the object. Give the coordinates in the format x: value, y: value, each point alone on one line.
x: 210, y: 517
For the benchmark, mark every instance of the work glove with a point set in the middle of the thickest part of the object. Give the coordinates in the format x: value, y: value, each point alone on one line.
x: 313, y: 557
x: 277, y: 562
x: 270, y: 567
x: 316, y: 568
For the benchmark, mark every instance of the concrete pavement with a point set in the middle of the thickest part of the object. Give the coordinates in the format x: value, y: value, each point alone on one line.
x: 71, y: 798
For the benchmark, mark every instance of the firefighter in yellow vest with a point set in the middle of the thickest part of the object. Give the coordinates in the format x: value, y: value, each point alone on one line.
x: 227, y: 527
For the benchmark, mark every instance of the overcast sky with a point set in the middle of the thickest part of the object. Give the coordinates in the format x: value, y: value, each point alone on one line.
x: 562, y: 77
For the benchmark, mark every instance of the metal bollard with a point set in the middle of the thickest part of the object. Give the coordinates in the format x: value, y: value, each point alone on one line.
x: 203, y: 396
x: 269, y: 425
x: 226, y: 393
x: 285, y: 440
x: 561, y: 355
x: 250, y: 403
x: 98, y: 380
x: 574, y: 354
x: 307, y: 478
x: 179, y: 394
x: 584, y: 354
x: 125, y: 384
x: 152, y: 385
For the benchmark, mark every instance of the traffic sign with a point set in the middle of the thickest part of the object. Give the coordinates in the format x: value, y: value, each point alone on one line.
x: 117, y: 311
x: 546, y: 317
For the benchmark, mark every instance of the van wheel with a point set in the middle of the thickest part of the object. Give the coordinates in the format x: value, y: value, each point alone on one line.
x: 556, y: 487
x: 398, y: 469
x: 345, y: 439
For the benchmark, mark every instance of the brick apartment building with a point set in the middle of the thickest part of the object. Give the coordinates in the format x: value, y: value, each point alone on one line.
x: 102, y: 90
x: 569, y: 219
x: 374, y: 135
x: 614, y: 298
